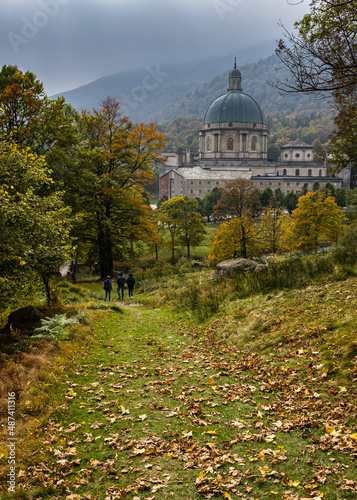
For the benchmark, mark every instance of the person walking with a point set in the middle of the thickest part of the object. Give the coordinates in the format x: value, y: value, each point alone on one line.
x: 130, y: 282
x: 121, y: 282
x: 108, y: 288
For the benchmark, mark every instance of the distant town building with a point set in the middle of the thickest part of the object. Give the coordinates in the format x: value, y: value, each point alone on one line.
x: 233, y: 144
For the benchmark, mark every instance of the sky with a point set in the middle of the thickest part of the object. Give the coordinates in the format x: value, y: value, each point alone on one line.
x: 68, y: 43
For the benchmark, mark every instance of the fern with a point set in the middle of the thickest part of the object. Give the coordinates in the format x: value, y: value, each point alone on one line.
x: 53, y: 329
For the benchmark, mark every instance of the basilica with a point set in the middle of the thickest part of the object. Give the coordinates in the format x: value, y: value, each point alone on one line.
x: 233, y: 144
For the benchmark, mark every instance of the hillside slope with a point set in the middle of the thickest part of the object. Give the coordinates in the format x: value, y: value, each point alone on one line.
x: 165, y: 92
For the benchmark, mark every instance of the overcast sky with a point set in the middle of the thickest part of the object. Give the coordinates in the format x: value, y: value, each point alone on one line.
x: 68, y: 43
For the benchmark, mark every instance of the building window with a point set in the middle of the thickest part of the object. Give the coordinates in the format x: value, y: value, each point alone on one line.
x: 286, y: 155
x: 217, y: 183
x: 261, y: 183
x: 284, y: 171
x: 253, y: 145
x: 199, y: 191
x: 308, y: 155
x: 298, y: 183
x: 230, y: 144
x: 297, y: 172
x: 279, y: 183
x: 191, y: 182
x: 191, y: 191
x: 320, y: 173
x: 288, y: 183
x: 297, y: 155
x: 208, y: 144
x: 309, y: 172
x: 199, y: 182
x: 208, y: 182
x: 230, y: 124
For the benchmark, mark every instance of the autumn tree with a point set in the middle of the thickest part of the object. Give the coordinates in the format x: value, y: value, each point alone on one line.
x: 240, y: 199
x: 317, y: 220
x: 235, y: 238
x: 180, y: 216
x: 48, y: 127
x: 117, y: 159
x: 34, y: 230
x: 273, y: 224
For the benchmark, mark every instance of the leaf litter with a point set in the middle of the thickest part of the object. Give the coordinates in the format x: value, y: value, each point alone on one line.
x: 190, y: 415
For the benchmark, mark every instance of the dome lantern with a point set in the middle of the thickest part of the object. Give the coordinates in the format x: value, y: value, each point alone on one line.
x: 235, y: 79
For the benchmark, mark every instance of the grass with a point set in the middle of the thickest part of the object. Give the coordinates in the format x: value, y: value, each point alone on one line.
x: 257, y: 400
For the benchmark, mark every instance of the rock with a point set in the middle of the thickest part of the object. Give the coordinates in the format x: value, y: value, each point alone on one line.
x: 23, y: 317
x: 198, y: 264
x: 237, y: 266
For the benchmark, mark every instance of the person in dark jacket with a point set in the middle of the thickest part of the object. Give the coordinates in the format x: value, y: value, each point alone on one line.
x: 107, y: 288
x: 130, y: 282
x: 121, y: 282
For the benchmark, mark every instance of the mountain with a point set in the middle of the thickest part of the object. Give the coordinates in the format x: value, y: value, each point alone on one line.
x: 156, y: 92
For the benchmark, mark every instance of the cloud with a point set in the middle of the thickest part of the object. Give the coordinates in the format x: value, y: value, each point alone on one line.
x: 71, y: 42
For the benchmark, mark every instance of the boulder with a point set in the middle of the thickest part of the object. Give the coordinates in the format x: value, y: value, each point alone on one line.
x: 23, y: 317
x: 198, y: 264
x: 237, y: 266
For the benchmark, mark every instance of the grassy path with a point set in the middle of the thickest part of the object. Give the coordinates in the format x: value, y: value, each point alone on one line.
x: 160, y: 408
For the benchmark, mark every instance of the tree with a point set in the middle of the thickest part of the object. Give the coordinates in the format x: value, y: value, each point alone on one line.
x: 291, y: 201
x: 305, y: 189
x: 279, y: 197
x: 29, y: 119
x: 210, y: 200
x: 273, y: 224
x: 340, y: 197
x: 321, y: 59
x: 330, y: 188
x: 117, y: 159
x: 316, y: 220
x: 240, y: 199
x: 180, y: 216
x: 266, y: 196
x: 322, y: 56
x: 34, y: 230
x: 316, y: 186
x: 235, y: 238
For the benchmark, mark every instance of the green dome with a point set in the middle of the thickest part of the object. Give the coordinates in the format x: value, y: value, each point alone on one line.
x: 235, y: 72
x: 234, y: 107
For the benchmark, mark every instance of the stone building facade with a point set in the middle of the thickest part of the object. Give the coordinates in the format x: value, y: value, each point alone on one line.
x: 233, y: 144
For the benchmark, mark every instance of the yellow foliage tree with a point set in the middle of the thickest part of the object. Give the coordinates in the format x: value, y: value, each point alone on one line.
x: 235, y: 238
x: 273, y: 227
x: 317, y: 220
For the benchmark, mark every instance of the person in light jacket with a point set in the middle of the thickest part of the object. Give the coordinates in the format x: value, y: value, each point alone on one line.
x: 130, y: 282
